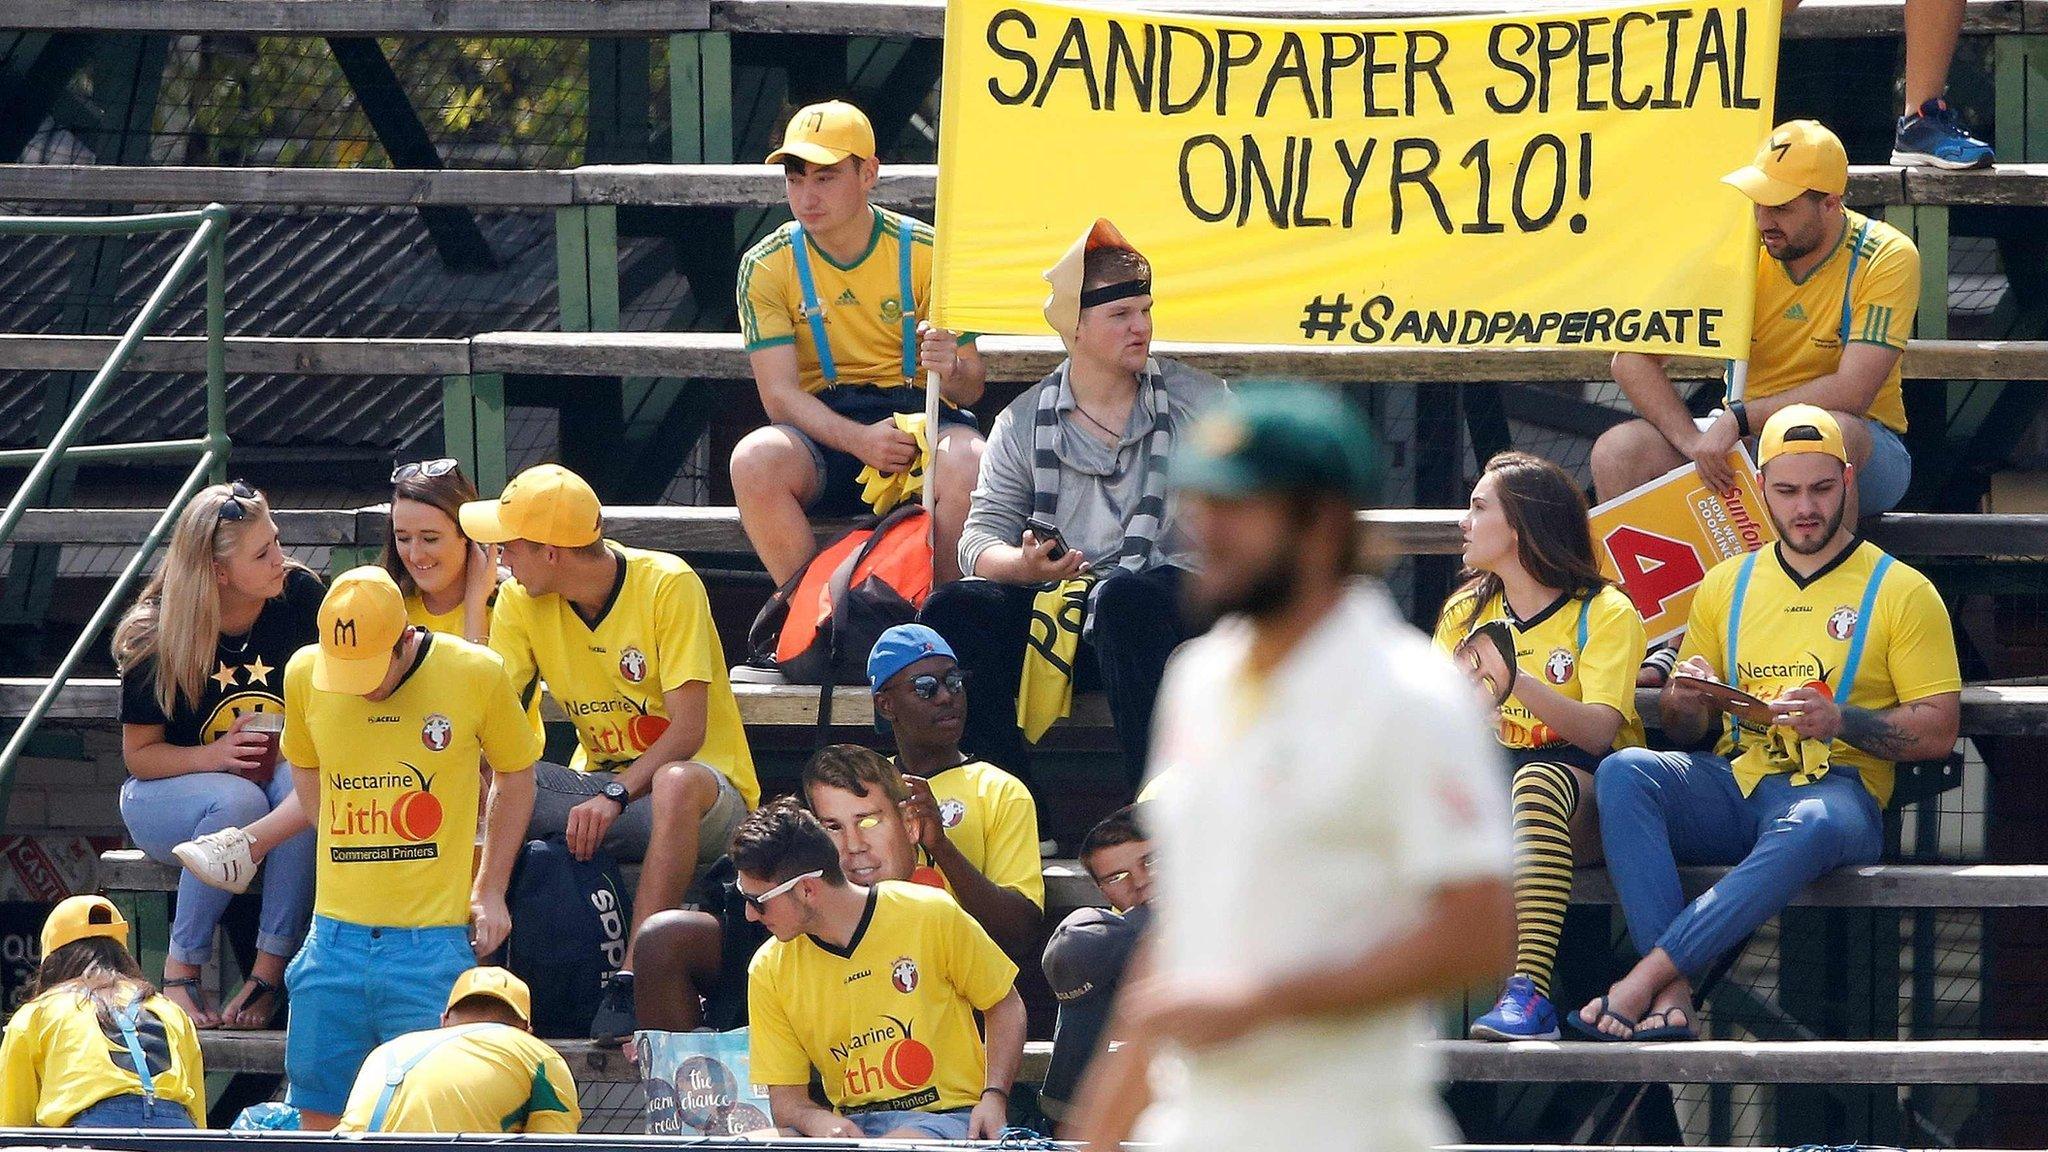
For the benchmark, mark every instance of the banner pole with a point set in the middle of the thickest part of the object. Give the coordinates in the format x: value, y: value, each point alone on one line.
x: 1738, y: 379
x: 931, y: 470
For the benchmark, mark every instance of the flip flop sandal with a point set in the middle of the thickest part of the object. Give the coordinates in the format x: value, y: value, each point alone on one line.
x: 191, y: 986
x: 1592, y: 1031
x: 1666, y: 1030
x: 263, y: 988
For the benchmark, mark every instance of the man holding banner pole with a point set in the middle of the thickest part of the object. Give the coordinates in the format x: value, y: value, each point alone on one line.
x: 1836, y: 293
x: 830, y: 307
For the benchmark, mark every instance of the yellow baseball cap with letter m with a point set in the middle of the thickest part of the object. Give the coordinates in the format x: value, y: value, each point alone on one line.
x: 1801, y: 156
x: 361, y: 619
x: 547, y: 504
x: 826, y: 134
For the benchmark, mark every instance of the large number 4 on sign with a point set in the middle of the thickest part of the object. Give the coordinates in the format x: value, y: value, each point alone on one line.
x: 1653, y: 568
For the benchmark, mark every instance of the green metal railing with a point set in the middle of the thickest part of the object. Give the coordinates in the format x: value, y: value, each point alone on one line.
x: 208, y: 245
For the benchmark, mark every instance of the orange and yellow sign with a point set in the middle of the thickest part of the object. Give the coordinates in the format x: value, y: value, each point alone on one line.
x: 1658, y: 540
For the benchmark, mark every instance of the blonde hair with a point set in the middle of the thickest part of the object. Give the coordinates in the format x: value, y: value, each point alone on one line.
x: 177, y: 617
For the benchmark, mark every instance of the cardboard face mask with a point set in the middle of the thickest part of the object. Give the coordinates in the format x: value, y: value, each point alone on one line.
x: 1063, y: 305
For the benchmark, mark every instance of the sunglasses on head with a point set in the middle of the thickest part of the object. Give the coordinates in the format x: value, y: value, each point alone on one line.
x: 927, y: 686
x: 231, y: 504
x: 431, y: 469
x: 760, y: 902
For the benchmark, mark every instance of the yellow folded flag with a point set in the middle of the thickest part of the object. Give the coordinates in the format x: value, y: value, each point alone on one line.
x: 882, y: 492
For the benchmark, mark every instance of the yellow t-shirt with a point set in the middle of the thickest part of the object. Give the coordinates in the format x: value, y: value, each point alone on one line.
x: 1793, y: 634
x: 989, y: 817
x: 448, y: 623
x: 889, y: 1022
x: 655, y: 636
x: 863, y: 304
x: 56, y: 1060
x: 399, y: 784
x: 1798, y: 335
x: 1603, y: 671
x: 472, y: 1078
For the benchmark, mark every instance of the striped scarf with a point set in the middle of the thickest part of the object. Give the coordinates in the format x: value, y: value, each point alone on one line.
x: 1143, y: 526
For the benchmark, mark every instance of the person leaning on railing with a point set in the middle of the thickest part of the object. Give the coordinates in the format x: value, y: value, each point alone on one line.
x: 201, y: 652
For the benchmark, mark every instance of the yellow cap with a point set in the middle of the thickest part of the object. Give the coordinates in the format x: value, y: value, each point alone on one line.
x: 361, y: 619
x: 826, y: 134
x: 499, y: 985
x: 1801, y: 156
x: 82, y: 918
x: 1797, y: 428
x: 547, y: 504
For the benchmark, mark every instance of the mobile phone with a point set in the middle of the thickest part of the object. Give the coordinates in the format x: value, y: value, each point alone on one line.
x: 1047, y: 531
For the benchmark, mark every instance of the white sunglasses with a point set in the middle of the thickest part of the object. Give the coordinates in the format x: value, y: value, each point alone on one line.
x: 760, y: 902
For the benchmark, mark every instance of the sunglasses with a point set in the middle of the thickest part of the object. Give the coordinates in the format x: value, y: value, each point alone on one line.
x: 927, y: 686
x: 231, y: 505
x: 760, y: 902
x: 1144, y: 861
x: 431, y: 469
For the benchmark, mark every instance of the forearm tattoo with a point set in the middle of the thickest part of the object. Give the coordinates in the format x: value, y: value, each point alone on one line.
x: 1874, y: 732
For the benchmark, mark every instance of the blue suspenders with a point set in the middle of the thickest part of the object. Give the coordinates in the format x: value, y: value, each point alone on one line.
x: 1847, y: 679
x: 815, y: 314
x: 126, y: 1018
x: 396, y: 1073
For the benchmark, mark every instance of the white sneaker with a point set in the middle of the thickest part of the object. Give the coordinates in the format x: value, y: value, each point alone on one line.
x: 222, y: 859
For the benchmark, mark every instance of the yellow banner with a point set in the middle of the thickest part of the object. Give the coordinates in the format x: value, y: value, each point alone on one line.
x: 1540, y: 179
x: 1657, y: 541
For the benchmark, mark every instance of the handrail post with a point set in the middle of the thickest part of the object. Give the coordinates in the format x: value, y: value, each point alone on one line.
x: 216, y: 229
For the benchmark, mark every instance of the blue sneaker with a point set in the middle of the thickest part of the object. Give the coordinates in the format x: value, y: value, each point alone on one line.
x: 1932, y: 137
x: 1521, y: 1013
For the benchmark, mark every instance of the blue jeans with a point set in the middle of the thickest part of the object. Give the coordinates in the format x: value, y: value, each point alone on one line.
x: 162, y: 813
x: 1882, y: 481
x: 355, y: 986
x: 1659, y: 810
x: 937, y: 1125
x: 133, y: 1110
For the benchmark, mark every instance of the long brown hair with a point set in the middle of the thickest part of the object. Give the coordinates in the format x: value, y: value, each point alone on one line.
x: 1553, y: 541
x: 177, y: 617
x: 98, y: 968
x: 448, y: 492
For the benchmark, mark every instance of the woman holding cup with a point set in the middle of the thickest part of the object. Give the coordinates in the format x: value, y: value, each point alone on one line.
x: 202, y: 655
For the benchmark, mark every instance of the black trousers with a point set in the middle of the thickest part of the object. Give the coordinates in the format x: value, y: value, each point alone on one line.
x: 1137, y: 623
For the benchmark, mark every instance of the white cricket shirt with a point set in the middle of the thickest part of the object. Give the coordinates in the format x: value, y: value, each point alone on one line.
x: 1308, y: 819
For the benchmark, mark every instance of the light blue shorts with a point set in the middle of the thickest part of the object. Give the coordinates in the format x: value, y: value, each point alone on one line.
x: 355, y: 986
x: 1882, y: 481
x: 937, y: 1125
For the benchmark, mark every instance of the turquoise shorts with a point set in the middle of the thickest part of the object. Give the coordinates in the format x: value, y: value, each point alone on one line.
x: 355, y: 986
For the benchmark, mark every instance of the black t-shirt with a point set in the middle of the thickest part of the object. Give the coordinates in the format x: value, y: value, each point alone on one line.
x: 248, y: 671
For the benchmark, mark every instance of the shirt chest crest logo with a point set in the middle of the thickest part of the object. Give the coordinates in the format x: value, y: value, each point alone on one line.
x: 437, y: 732
x: 1558, y: 668
x: 633, y: 665
x: 1842, y: 623
x: 903, y: 974
x: 951, y: 812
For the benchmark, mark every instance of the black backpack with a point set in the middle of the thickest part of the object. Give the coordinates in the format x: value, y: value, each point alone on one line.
x: 569, y: 922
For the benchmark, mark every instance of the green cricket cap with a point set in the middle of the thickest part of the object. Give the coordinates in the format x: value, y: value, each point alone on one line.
x: 1281, y: 437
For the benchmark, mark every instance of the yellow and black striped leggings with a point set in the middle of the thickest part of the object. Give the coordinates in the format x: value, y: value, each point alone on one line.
x: 1546, y: 795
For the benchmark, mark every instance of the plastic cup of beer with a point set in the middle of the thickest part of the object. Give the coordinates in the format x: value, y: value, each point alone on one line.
x: 270, y: 726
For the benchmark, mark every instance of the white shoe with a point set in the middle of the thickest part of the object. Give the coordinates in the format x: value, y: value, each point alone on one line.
x: 222, y: 859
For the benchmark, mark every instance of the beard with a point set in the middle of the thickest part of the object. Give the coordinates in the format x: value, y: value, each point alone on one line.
x: 1828, y: 530
x: 1268, y: 593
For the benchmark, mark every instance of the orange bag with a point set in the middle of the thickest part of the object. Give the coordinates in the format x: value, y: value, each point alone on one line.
x: 819, y: 627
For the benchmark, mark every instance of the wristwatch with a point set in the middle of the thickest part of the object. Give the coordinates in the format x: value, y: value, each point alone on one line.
x: 1740, y: 411
x: 617, y: 794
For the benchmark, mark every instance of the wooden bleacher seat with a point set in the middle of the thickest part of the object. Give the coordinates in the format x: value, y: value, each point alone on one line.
x: 1904, y: 1062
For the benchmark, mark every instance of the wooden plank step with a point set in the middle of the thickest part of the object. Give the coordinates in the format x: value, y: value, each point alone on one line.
x: 694, y: 530
x: 913, y: 186
x: 1870, y: 886
x: 1988, y: 709
x: 362, y: 17
x: 1530, y: 1061
x: 1816, y: 19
